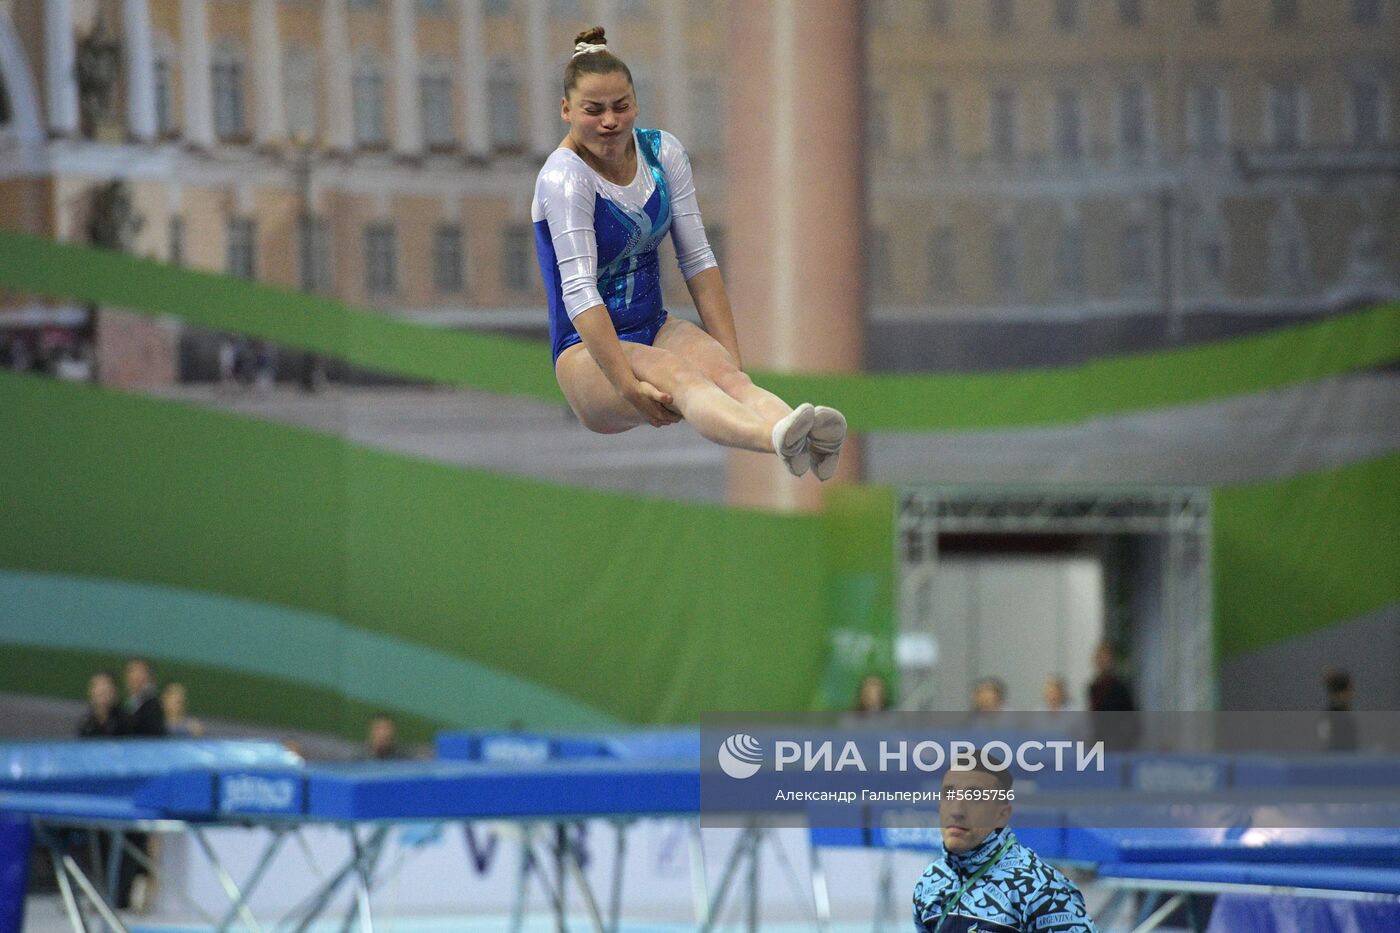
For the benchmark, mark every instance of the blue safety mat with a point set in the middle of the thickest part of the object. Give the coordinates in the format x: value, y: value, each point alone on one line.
x: 1359, y: 771
x: 654, y: 744
x: 1348, y: 846
x: 118, y: 766
x: 1046, y: 834
x: 64, y: 806
x: 1178, y: 774
x: 1328, y: 877
x: 463, y: 791
x: 534, y: 748
x: 1260, y: 913
x: 390, y: 791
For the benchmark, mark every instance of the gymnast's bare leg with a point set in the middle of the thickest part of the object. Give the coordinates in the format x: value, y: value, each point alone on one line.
x: 703, y: 351
x: 685, y: 374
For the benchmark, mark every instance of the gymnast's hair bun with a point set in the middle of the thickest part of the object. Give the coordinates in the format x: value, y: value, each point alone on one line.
x: 591, y: 56
x: 594, y: 36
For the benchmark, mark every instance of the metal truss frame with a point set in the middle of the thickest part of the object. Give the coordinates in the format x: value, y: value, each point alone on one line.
x: 1179, y: 516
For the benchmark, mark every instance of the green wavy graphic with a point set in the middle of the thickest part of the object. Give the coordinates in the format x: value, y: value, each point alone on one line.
x: 1296, y: 555
x: 310, y: 650
x: 1237, y: 366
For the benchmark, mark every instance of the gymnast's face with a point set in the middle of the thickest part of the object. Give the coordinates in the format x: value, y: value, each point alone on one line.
x: 600, y: 111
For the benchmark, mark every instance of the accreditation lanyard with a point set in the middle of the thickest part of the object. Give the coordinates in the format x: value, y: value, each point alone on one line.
x: 952, y: 905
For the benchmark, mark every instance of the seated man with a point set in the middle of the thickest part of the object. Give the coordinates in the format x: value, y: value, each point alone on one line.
x: 986, y: 880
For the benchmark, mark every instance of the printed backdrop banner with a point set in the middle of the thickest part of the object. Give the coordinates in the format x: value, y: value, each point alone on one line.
x: 329, y: 572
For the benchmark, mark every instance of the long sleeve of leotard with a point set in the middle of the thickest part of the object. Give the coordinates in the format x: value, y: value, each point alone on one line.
x: 565, y: 194
x: 693, y: 252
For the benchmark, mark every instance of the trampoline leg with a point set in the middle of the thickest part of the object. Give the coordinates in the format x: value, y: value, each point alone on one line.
x: 240, y: 905
x: 747, y: 843
x: 522, y: 887
x: 65, y: 888
x: 1197, y: 913
x: 1160, y: 915
x: 226, y: 881
x: 560, y: 925
x: 93, y: 896
x: 569, y: 860
x: 365, y: 863
x: 68, y: 872
x: 699, y: 885
x: 753, y: 885
x: 116, y: 852
x: 363, y: 905
x: 884, y: 908
x: 619, y: 858
x: 1147, y: 903
x: 535, y: 866
x: 317, y: 901
x: 315, y: 906
x: 1111, y: 908
x: 821, y: 895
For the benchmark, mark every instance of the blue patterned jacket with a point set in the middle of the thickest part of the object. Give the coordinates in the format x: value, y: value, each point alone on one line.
x: 1020, y: 894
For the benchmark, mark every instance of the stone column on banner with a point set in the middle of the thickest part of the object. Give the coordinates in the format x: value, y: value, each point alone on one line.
x: 140, y: 70
x: 794, y: 241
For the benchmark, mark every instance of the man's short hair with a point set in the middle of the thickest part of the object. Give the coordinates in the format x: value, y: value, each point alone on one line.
x: 999, y: 769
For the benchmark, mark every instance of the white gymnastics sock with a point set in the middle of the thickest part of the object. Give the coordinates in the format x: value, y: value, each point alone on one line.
x: 825, y: 439
x: 790, y: 439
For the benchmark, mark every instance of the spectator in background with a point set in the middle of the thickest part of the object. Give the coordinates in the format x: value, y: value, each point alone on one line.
x: 989, y: 695
x: 142, y: 717
x: 989, y: 705
x: 1337, y: 727
x: 382, y: 739
x: 103, y: 720
x: 1055, y: 695
x: 173, y: 703
x: 873, y: 695
x: 142, y: 709
x: 104, y: 715
x: 1056, y: 713
x: 1111, y: 694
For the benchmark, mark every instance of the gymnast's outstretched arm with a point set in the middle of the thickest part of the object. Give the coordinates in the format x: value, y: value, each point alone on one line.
x: 712, y: 301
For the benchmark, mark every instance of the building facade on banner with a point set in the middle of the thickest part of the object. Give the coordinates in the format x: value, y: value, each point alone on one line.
x: 1138, y: 171
x: 1125, y: 173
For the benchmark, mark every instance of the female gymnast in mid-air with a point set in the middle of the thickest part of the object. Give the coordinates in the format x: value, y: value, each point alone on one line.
x: 603, y: 202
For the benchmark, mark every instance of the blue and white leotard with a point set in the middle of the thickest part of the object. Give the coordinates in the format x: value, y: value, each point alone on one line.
x: 596, y: 241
